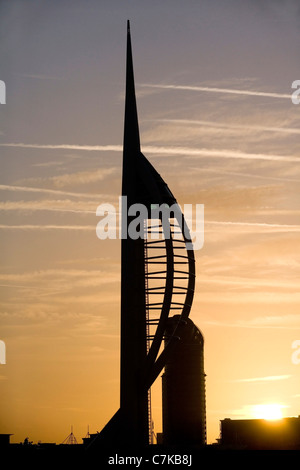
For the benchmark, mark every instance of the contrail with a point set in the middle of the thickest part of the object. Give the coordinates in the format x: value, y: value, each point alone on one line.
x: 191, y: 152
x: 246, y: 175
x: 264, y: 379
x: 282, y: 227
x: 101, y: 148
x: 160, y: 150
x: 56, y: 192
x: 218, y: 125
x: 47, y: 227
x: 218, y: 90
x: 285, y: 227
x: 30, y: 206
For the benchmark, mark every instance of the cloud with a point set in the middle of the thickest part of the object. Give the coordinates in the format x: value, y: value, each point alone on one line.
x: 224, y: 126
x: 50, y: 205
x: 289, y: 322
x: 82, y: 177
x: 248, y: 282
x: 41, y: 76
x: 244, y: 175
x: 219, y: 90
x: 59, y: 281
x: 166, y: 150
x: 268, y: 378
x: 6, y: 187
x: 109, y: 148
x: 48, y: 164
x: 57, y: 275
x: 247, y: 225
x: 255, y: 226
x: 48, y: 227
x: 216, y: 153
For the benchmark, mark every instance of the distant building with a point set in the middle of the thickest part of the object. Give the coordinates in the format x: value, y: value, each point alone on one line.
x: 4, y: 440
x: 183, y: 389
x: 256, y: 434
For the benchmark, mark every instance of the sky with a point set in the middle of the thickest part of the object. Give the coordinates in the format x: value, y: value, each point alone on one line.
x: 213, y: 84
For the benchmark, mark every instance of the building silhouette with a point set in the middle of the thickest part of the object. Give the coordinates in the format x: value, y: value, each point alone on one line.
x: 183, y: 390
x: 261, y: 434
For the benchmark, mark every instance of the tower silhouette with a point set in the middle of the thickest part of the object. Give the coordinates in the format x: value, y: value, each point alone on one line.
x: 183, y: 390
x: 157, y: 277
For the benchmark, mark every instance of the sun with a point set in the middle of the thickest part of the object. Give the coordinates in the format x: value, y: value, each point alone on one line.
x: 269, y: 411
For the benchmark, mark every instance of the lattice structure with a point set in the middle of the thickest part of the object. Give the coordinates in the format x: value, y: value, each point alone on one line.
x: 70, y: 439
x: 169, y: 288
x: 170, y: 282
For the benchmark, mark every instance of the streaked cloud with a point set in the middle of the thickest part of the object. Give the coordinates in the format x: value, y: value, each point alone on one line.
x: 251, y: 226
x: 256, y: 225
x: 243, y: 175
x: 86, y: 207
x: 56, y: 192
x: 290, y: 322
x: 48, y: 227
x: 108, y: 148
x: 218, y: 153
x: 268, y: 378
x: 166, y: 150
x: 60, y: 280
x: 42, y: 76
x: 77, y: 178
x: 225, y: 126
x: 218, y: 90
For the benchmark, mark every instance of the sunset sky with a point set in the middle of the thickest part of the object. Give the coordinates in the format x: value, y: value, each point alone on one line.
x: 213, y: 84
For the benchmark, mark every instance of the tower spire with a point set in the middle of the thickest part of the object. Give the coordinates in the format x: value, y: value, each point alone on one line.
x: 131, y: 142
x: 133, y: 394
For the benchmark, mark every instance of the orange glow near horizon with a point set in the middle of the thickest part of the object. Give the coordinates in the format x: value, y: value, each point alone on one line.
x: 238, y: 154
x: 268, y: 411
